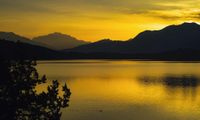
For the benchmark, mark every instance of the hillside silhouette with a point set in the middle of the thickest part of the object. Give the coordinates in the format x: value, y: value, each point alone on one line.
x: 174, y: 42
x: 59, y: 41
x: 10, y: 36
x: 19, y: 50
x: 172, y: 38
x: 55, y: 41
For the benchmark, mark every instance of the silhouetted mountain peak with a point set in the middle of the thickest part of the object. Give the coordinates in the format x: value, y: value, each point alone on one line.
x: 183, y: 26
x: 171, y: 38
x: 189, y: 24
x: 104, y: 41
x: 186, y: 27
x: 11, y: 36
x: 60, y: 35
x: 59, y: 41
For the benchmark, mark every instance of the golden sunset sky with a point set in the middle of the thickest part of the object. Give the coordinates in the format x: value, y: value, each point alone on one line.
x: 93, y: 20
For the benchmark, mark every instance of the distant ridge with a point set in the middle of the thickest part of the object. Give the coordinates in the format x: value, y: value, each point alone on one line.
x: 59, y: 41
x: 174, y: 42
x: 10, y: 36
x: 19, y: 50
x: 185, y: 37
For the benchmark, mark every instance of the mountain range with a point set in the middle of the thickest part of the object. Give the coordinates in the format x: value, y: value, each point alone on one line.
x: 59, y: 41
x: 174, y: 42
x: 10, y: 36
x: 171, y: 38
x: 55, y: 41
x: 20, y: 50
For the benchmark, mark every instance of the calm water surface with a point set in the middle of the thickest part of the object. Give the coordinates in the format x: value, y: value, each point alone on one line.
x: 127, y: 90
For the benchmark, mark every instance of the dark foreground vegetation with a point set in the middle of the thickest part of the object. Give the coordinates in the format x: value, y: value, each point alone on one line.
x: 18, y: 97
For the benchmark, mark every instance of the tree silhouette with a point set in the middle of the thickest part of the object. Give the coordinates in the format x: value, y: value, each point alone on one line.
x: 18, y: 97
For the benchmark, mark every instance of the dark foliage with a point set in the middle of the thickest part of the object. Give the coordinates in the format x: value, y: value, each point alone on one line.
x: 18, y: 97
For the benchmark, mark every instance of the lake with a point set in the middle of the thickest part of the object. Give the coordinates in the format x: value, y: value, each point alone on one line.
x: 127, y: 90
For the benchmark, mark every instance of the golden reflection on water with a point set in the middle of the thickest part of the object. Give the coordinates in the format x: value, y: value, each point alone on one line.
x: 113, y: 89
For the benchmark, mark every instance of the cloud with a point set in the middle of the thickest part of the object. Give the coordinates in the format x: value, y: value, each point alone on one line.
x: 179, y: 14
x: 70, y: 7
